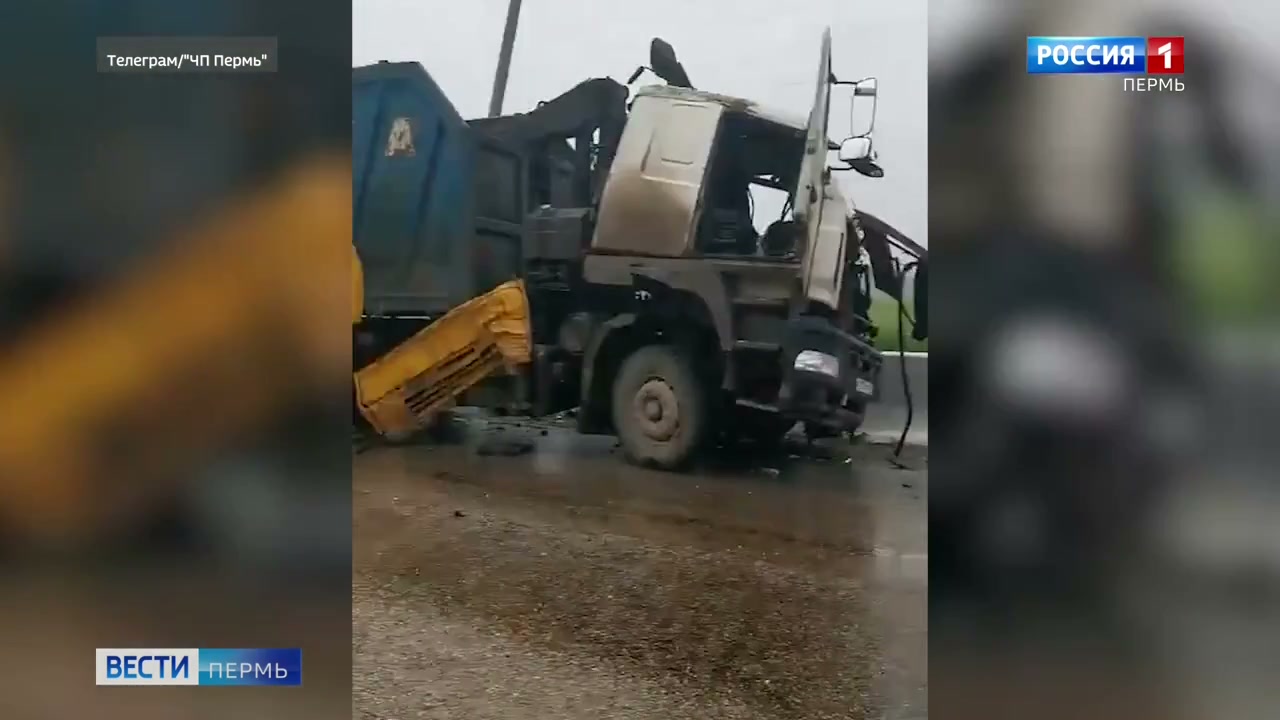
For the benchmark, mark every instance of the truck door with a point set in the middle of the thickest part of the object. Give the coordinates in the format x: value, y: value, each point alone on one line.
x: 818, y: 204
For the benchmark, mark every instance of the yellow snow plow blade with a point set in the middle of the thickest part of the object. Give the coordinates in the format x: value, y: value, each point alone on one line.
x: 402, y: 391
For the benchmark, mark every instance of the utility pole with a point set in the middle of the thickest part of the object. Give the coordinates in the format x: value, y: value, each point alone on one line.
x: 504, y: 59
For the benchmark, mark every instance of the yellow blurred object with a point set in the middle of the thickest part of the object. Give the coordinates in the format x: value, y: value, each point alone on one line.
x: 205, y: 345
x: 403, y: 390
x: 104, y: 405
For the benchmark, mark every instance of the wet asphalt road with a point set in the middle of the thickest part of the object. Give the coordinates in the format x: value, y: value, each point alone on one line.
x: 562, y: 583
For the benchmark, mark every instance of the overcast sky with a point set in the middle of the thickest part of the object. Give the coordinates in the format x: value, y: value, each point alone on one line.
x: 763, y: 50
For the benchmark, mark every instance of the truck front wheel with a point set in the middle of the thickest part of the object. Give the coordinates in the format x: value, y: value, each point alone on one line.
x: 659, y: 408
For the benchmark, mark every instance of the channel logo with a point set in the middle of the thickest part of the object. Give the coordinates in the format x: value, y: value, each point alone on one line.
x: 199, y: 666
x: 1164, y: 55
x: 1048, y: 55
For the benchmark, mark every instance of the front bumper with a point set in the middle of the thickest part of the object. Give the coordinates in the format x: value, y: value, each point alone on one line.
x: 829, y: 376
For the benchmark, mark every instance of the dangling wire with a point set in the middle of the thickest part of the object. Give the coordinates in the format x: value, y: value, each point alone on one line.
x: 903, y: 318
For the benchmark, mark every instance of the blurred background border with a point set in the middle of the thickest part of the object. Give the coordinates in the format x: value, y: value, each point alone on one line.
x: 174, y: 366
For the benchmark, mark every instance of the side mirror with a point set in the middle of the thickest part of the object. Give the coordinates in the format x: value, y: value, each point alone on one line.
x: 870, y: 88
x: 662, y: 58
x: 856, y: 148
x: 857, y: 154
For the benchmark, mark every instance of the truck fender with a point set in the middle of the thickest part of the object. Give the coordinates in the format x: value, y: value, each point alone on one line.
x: 587, y: 413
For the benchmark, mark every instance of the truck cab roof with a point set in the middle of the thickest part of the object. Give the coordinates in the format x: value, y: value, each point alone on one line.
x: 737, y: 104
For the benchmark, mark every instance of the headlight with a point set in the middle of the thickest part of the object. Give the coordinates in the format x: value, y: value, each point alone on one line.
x: 814, y: 361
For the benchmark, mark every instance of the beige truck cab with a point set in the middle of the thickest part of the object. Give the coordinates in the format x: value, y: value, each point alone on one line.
x: 682, y: 149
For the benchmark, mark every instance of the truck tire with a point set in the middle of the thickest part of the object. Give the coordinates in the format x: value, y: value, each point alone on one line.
x: 659, y: 407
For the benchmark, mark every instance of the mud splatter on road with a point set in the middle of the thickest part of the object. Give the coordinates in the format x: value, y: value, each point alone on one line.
x: 565, y: 584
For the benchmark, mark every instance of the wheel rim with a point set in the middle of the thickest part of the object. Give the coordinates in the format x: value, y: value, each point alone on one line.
x: 656, y: 410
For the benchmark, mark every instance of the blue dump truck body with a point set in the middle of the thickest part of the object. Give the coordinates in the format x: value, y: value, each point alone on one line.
x: 437, y: 205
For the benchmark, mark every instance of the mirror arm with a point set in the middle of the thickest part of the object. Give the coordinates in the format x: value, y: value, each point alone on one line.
x: 836, y: 81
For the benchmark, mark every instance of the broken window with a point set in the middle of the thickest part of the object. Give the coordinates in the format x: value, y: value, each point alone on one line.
x: 747, y: 204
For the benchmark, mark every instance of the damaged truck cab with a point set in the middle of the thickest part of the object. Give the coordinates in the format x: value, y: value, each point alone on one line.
x: 692, y: 324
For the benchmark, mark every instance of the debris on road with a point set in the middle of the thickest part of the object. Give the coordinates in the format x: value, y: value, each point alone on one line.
x: 504, y: 446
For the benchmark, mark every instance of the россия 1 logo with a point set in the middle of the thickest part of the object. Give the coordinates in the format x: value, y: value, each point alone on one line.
x: 1148, y: 56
